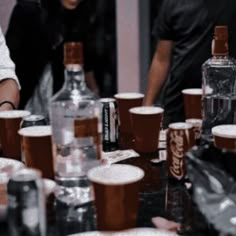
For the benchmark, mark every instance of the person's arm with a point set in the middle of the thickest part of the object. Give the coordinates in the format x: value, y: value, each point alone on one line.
x: 9, y: 92
x: 91, y: 82
x: 89, y: 51
x: 9, y: 84
x: 158, y: 71
x: 28, y: 45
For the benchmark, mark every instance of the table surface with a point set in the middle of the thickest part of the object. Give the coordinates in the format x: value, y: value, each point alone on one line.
x: 158, y: 197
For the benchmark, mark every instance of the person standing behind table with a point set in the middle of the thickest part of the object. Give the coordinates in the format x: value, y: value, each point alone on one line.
x: 105, y: 47
x: 185, y: 30
x: 29, y: 46
x: 35, y: 37
x: 72, y: 21
x: 9, y: 84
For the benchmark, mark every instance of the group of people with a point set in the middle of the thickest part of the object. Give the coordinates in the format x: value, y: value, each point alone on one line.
x: 36, y: 33
x: 184, y: 29
x: 35, y: 37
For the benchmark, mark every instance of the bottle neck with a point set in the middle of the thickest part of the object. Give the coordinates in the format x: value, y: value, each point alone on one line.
x: 220, y: 48
x: 74, y: 77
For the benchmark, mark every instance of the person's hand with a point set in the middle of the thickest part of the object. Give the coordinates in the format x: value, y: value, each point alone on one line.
x: 162, y: 223
x: 9, y: 94
x: 6, y: 106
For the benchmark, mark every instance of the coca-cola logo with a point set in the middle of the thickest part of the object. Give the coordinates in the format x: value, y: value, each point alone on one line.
x: 177, y: 152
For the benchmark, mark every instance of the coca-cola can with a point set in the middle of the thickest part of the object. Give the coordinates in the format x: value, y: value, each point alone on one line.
x: 180, y: 138
x: 109, y: 124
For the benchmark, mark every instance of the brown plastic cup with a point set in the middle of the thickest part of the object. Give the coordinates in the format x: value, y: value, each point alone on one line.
x: 225, y: 136
x: 37, y: 150
x: 146, y: 124
x: 116, y: 190
x: 9, y: 126
x: 197, y: 126
x: 192, y: 103
x: 125, y: 101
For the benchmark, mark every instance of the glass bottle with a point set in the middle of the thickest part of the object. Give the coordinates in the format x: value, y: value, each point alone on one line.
x: 219, y: 77
x: 74, y: 115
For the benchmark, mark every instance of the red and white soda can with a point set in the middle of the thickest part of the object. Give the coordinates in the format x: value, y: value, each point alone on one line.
x: 180, y: 138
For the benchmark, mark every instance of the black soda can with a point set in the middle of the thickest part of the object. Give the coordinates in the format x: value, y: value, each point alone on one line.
x: 109, y: 124
x: 26, y: 204
x: 33, y: 120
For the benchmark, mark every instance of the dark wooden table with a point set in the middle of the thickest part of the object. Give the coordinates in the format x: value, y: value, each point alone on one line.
x: 158, y: 197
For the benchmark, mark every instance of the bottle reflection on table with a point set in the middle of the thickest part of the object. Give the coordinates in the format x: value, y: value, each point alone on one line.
x: 178, y: 206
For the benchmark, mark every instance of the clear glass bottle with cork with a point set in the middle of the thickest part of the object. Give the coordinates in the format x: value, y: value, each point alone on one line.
x: 74, y: 87
x: 74, y: 116
x: 218, y: 84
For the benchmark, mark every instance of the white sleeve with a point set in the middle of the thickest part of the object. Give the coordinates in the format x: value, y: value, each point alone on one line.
x: 7, y: 67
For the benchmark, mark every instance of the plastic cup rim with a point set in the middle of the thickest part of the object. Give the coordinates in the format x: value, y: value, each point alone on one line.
x: 125, y: 95
x: 107, y: 183
x: 217, y: 131
x: 155, y: 110
x: 180, y: 125
x: 46, y: 128
x: 22, y: 114
x: 192, y: 91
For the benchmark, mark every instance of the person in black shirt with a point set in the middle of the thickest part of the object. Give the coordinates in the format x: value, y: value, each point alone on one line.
x: 185, y: 31
x: 35, y: 37
x: 72, y: 20
x: 28, y: 44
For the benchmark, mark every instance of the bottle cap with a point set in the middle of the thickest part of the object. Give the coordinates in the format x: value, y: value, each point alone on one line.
x: 221, y: 32
x: 73, y: 53
x: 220, y: 42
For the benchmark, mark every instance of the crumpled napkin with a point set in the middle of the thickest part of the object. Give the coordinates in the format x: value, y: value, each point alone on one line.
x: 119, y: 155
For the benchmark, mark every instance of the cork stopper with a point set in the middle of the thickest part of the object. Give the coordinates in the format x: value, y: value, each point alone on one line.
x: 73, y: 53
x: 220, y: 42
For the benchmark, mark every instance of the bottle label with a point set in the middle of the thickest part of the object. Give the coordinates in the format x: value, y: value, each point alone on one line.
x: 3, y: 195
x: 86, y: 127
x: 177, y: 151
